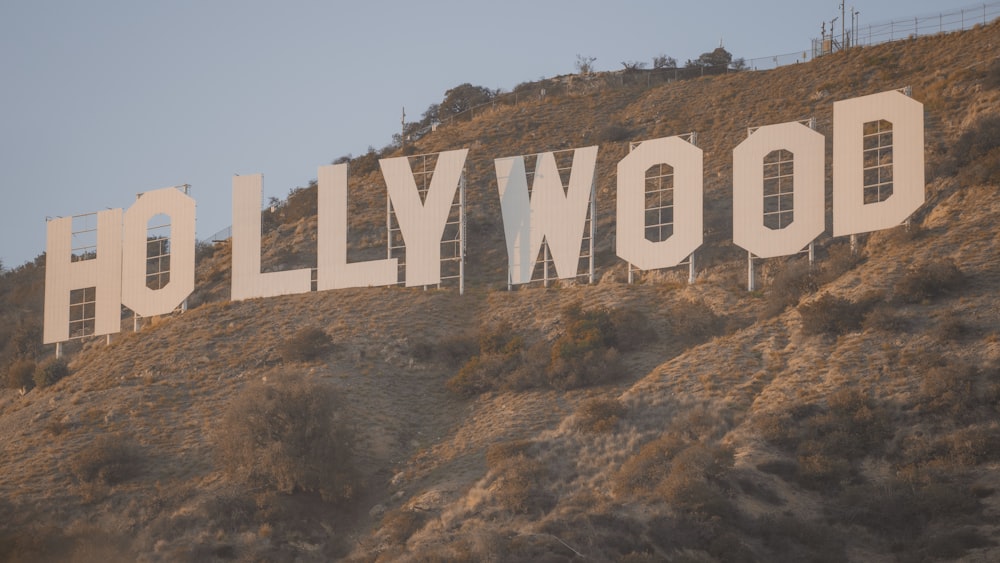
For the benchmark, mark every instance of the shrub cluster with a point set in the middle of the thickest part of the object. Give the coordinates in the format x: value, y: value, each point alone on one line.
x: 305, y: 345
x: 50, y: 371
x: 957, y: 390
x: 600, y: 414
x: 452, y: 351
x: 519, y: 484
x: 829, y: 314
x: 828, y: 441
x: 684, y: 473
x: 289, y: 436
x: 110, y: 459
x: 585, y: 353
x: 975, y: 153
x: 797, y: 278
x: 928, y: 281
x: 21, y: 375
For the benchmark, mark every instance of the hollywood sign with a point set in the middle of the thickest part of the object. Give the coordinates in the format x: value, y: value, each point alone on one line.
x: 878, y: 182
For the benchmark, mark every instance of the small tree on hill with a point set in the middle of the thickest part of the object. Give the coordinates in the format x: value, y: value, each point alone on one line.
x: 464, y: 97
x: 663, y: 61
x: 718, y: 58
x: 585, y: 65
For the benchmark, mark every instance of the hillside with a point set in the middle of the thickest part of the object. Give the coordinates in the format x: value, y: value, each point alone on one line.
x: 845, y: 412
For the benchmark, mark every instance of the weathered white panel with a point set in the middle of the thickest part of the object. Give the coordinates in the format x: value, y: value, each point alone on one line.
x: 631, y: 243
x: 248, y: 282
x: 62, y: 275
x: 749, y: 231
x: 422, y: 223
x: 334, y: 270
x: 850, y: 213
x: 550, y: 213
x: 181, y: 210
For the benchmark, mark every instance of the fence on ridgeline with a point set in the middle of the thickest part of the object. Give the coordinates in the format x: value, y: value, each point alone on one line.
x: 859, y: 35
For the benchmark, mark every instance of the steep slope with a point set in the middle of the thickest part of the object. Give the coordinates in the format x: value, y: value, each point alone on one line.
x: 751, y: 428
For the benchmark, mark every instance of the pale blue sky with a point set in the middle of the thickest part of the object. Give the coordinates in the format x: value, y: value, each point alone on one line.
x: 101, y: 100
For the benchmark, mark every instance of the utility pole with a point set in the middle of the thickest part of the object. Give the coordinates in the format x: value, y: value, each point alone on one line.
x: 402, y: 129
x: 842, y: 26
x: 855, y: 24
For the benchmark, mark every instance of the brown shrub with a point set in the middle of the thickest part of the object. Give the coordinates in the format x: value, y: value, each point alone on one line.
x: 398, y: 525
x: 600, y: 414
x: 834, y: 315
x: 884, y: 317
x: 692, y: 485
x: 631, y: 328
x: 497, y: 453
x: 519, y: 484
x: 951, y: 389
x: 482, y: 373
x: 645, y: 470
x: 928, y: 281
x: 453, y: 350
x: 109, y: 459
x: 305, y: 345
x: 584, y: 354
x: 288, y: 436
x: 793, y: 281
x: 50, y: 371
x: 21, y: 375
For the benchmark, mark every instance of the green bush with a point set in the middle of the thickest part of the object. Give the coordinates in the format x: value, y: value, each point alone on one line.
x: 109, y: 459
x: 305, y: 345
x: 289, y: 436
x: 50, y: 371
x: 21, y: 375
x: 928, y: 281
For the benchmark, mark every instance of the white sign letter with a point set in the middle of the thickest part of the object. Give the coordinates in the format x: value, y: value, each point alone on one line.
x: 878, y: 162
x: 248, y: 281
x: 631, y: 243
x: 334, y: 271
x: 422, y: 223
x: 135, y: 294
x: 551, y: 214
x: 795, y: 190
x: 101, y: 305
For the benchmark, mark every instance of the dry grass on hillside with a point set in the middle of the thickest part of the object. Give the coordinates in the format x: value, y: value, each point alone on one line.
x: 753, y: 427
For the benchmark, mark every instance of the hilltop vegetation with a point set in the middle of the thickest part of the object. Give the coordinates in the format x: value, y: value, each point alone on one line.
x: 846, y: 411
